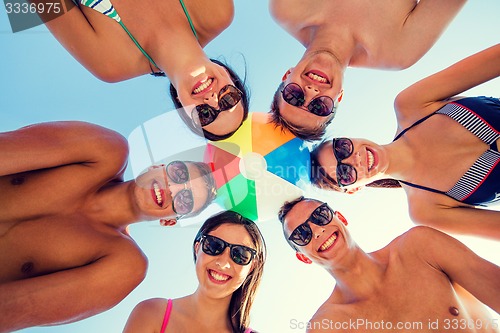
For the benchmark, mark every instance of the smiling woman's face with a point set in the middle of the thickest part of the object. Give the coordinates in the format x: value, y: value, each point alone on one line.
x: 368, y: 159
x: 203, y: 86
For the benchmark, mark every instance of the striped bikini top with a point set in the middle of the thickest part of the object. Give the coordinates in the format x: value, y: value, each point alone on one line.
x: 106, y: 7
x: 480, y: 185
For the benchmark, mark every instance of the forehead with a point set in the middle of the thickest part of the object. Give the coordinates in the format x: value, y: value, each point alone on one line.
x: 233, y: 233
x: 299, y: 214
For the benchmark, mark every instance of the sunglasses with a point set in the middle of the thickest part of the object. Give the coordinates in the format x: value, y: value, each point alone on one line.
x: 214, y: 246
x: 182, y: 202
x: 321, y: 216
x: 294, y: 95
x: 229, y: 96
x: 346, y: 173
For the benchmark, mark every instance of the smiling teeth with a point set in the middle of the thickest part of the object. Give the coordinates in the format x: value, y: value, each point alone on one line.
x: 328, y: 243
x: 371, y: 159
x: 157, y: 190
x: 316, y: 77
x: 218, y: 276
x: 203, y: 86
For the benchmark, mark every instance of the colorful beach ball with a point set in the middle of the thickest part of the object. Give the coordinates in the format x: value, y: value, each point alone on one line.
x: 258, y: 168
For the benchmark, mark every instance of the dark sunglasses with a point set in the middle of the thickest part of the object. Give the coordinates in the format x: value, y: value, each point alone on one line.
x: 214, y: 246
x: 346, y: 173
x: 229, y: 96
x: 294, y: 95
x: 182, y: 202
x: 321, y: 216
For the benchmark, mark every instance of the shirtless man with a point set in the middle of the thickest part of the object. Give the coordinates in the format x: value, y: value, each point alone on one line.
x: 337, y: 34
x: 423, y: 281
x: 65, y: 249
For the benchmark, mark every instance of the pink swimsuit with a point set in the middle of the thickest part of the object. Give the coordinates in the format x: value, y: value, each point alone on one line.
x: 166, y: 317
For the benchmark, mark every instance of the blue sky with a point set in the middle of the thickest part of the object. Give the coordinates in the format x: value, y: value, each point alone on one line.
x: 41, y: 82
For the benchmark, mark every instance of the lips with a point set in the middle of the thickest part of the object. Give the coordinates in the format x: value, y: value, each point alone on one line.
x: 329, y: 242
x: 217, y: 277
x: 370, y: 159
x: 318, y: 77
x: 202, y: 86
x: 157, y: 193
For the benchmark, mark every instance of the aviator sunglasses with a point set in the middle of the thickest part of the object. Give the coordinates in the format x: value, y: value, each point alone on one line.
x: 294, y: 95
x: 182, y: 202
x: 346, y: 173
x: 214, y: 246
x: 229, y: 96
x: 321, y: 216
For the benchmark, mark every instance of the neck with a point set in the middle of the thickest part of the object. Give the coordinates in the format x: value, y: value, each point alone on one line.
x: 400, y: 159
x: 113, y: 205
x: 321, y: 38
x: 186, y: 56
x: 357, y: 276
x: 218, y: 313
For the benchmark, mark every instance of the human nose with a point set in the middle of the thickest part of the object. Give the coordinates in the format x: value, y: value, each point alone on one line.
x: 318, y: 231
x: 212, y: 99
x: 176, y: 188
x: 223, y: 260
x: 310, y: 92
x: 354, y: 159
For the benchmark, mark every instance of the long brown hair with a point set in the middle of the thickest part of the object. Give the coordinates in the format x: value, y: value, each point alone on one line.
x: 243, y: 298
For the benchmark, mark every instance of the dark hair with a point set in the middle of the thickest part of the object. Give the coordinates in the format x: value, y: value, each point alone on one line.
x: 299, y: 131
x: 285, y: 209
x: 321, y: 179
x: 245, y: 101
x: 243, y: 298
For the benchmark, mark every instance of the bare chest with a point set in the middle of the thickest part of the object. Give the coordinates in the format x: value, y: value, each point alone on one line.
x: 45, y: 245
x: 35, y: 194
x: 414, y: 301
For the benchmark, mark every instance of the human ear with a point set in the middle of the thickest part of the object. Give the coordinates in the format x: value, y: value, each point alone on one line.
x: 196, y: 246
x: 303, y: 258
x: 341, y: 217
x: 286, y: 74
x: 338, y: 99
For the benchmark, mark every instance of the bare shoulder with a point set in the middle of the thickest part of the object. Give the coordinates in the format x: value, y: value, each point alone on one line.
x: 420, y: 243
x: 330, y: 317
x: 146, y: 316
x: 152, y: 307
x: 125, y: 259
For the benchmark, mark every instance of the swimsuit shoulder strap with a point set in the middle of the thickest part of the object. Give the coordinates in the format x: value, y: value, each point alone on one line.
x: 413, y: 125
x: 425, y: 188
x: 166, y: 317
x: 188, y: 18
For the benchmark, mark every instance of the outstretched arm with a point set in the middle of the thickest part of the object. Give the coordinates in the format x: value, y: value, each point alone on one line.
x: 461, y: 220
x: 418, y: 99
x: 49, y: 145
x: 478, y: 276
x: 70, y: 295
